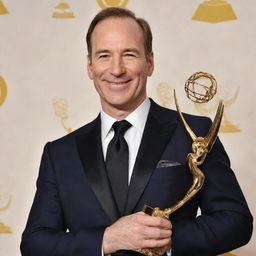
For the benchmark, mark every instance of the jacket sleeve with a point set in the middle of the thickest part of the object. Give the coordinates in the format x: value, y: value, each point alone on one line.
x: 46, y: 232
x: 225, y: 222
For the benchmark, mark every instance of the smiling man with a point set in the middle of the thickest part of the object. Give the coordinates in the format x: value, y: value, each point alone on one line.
x: 93, y: 182
x: 119, y: 65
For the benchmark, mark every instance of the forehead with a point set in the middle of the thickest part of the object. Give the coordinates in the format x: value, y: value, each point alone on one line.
x: 115, y: 31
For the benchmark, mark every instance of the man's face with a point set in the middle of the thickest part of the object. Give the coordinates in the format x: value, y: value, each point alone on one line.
x: 118, y: 65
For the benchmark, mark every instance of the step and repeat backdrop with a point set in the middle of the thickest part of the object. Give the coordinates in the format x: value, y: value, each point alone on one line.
x: 45, y: 92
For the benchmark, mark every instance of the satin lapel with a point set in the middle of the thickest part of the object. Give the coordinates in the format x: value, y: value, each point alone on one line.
x: 90, y: 150
x: 159, y: 128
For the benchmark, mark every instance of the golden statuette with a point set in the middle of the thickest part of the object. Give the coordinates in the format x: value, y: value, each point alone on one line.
x: 200, y: 147
x: 200, y: 88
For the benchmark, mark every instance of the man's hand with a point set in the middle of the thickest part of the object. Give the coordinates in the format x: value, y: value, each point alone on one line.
x: 137, y: 231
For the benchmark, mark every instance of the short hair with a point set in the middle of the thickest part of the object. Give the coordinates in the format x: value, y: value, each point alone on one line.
x: 120, y: 13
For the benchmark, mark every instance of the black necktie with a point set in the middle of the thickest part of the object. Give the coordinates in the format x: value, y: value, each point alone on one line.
x: 117, y: 163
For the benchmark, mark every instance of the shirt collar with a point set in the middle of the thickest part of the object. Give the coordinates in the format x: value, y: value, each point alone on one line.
x: 137, y: 118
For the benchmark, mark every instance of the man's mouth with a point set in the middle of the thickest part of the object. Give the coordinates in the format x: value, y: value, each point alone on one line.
x: 118, y: 82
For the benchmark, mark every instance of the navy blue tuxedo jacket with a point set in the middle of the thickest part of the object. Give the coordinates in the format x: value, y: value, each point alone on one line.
x: 73, y: 204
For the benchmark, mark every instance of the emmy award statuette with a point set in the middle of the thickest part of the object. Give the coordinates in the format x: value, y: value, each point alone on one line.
x: 200, y: 93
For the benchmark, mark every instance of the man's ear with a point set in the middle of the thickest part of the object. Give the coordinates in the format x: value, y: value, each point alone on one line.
x: 150, y: 63
x: 90, y: 68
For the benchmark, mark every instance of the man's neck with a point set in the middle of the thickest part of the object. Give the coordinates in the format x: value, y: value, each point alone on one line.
x: 120, y: 113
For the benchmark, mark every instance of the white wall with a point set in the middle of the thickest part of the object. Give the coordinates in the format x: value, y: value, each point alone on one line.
x: 44, y: 58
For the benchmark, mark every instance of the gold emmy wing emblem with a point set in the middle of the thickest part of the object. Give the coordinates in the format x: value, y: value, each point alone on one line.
x: 3, y: 91
x: 63, y: 11
x: 112, y: 3
x: 228, y: 98
x: 5, y: 202
x: 60, y: 109
x: 164, y: 94
x: 3, y: 9
x: 214, y: 11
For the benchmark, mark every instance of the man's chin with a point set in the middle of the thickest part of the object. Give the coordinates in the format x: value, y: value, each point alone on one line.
x: 118, y: 106
x: 127, y: 104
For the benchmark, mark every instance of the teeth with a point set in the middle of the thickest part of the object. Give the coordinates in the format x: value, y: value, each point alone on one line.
x: 117, y: 82
x: 122, y: 82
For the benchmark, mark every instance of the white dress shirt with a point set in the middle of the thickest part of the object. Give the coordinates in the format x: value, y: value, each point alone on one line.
x: 133, y: 135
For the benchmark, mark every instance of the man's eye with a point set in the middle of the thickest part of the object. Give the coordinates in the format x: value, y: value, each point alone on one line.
x: 103, y: 56
x: 130, y: 55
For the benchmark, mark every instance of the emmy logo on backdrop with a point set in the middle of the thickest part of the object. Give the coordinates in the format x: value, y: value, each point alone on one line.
x: 214, y: 11
x: 3, y: 91
x: 112, y: 3
x: 164, y: 94
x: 3, y: 9
x: 201, y: 146
x: 60, y: 109
x: 63, y: 11
x: 204, y: 81
x: 227, y: 126
x: 5, y: 202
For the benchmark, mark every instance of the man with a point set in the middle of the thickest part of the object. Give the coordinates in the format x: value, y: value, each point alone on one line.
x: 82, y: 208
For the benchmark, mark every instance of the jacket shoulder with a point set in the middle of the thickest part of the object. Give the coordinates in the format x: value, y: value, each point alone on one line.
x: 194, y: 121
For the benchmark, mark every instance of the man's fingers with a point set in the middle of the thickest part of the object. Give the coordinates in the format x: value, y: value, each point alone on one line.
x: 151, y: 243
x: 136, y: 231
x: 154, y: 221
x: 157, y: 233
x: 162, y: 223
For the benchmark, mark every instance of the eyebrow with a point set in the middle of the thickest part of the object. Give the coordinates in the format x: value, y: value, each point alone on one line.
x: 101, y: 51
x: 132, y: 50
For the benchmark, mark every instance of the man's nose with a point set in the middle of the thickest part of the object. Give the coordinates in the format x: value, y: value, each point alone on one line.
x: 117, y: 66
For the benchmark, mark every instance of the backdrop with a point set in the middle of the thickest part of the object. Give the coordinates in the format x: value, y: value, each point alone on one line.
x: 45, y: 92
